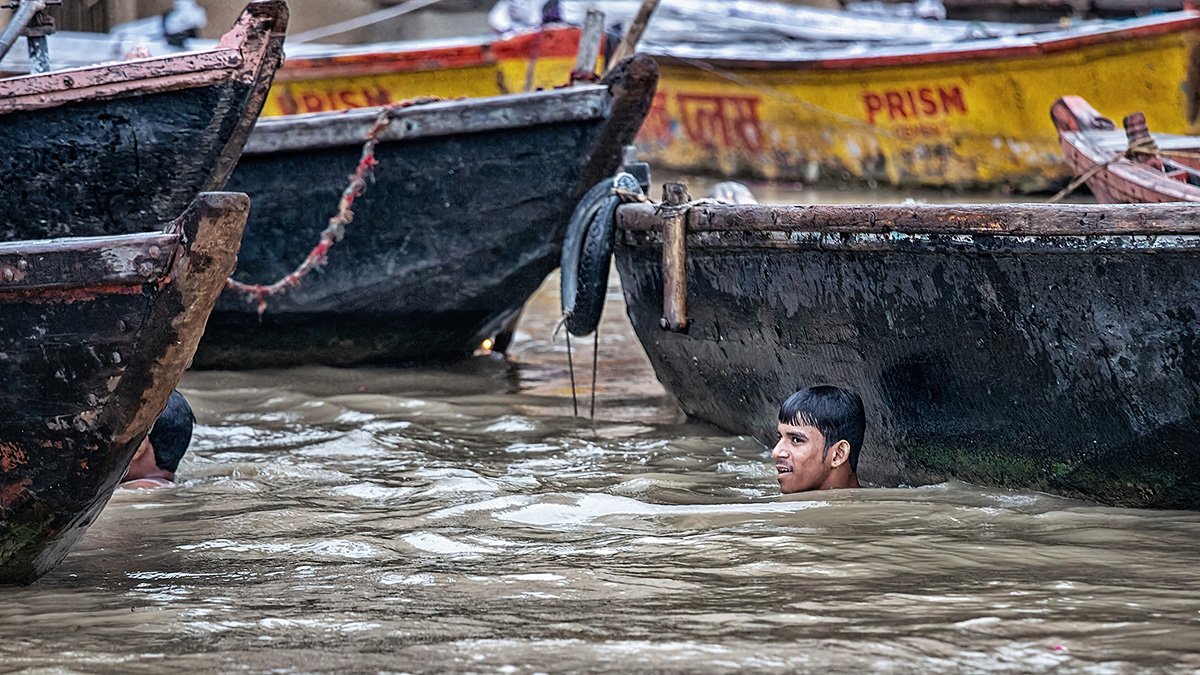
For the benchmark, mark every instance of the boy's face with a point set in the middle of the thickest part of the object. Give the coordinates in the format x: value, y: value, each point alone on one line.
x: 801, y: 463
x: 142, y: 464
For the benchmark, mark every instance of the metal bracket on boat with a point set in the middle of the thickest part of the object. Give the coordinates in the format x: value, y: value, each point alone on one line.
x: 674, y: 256
x: 636, y: 168
x: 32, y: 20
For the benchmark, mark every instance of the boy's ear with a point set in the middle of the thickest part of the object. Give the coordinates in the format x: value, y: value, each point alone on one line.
x: 839, y: 454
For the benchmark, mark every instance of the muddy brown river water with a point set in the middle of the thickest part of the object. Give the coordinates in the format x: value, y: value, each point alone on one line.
x: 461, y: 519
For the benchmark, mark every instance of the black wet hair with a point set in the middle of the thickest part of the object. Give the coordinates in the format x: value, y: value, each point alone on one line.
x: 172, y: 432
x: 837, y: 413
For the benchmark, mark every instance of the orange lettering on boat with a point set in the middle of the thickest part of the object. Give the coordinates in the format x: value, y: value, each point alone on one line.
x: 310, y: 102
x: 721, y: 121
x: 376, y: 97
x: 874, y: 105
x: 914, y: 103
x: 952, y: 99
x: 341, y: 99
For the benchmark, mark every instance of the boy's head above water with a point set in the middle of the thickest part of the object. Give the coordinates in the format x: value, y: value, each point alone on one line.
x: 820, y: 433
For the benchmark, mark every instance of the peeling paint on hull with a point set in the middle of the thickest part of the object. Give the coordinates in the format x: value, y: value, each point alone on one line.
x: 88, y: 362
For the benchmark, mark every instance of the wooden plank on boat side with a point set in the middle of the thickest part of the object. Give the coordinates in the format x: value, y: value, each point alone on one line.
x: 93, y: 261
x: 142, y: 75
x: 972, y: 219
x: 443, y: 118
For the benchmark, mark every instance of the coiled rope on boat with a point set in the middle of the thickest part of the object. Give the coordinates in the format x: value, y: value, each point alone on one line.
x: 336, y: 229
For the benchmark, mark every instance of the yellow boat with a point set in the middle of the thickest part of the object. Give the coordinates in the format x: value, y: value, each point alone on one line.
x: 319, y: 79
x: 966, y: 114
x: 962, y: 114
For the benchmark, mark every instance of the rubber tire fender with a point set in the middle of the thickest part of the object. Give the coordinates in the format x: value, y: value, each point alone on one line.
x: 587, y: 253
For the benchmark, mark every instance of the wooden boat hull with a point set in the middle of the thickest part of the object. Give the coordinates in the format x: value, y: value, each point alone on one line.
x: 106, y: 149
x: 964, y: 114
x: 94, y: 335
x: 1046, y: 348
x: 464, y: 220
x: 1095, y: 149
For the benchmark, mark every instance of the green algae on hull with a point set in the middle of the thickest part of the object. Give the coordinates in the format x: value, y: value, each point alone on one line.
x: 1118, y: 479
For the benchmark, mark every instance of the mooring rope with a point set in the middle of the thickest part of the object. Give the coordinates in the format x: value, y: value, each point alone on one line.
x: 630, y: 196
x: 363, y: 21
x: 1165, y: 153
x: 571, y: 369
x: 1141, y: 146
x: 595, y: 367
x: 336, y: 229
x: 600, y: 191
x: 1083, y: 178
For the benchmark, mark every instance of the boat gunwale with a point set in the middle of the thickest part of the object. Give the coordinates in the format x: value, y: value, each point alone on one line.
x: 230, y: 60
x: 125, y: 259
x: 388, y: 58
x: 1114, y: 140
x: 441, y: 118
x: 899, y: 222
x: 1150, y: 27
x: 961, y: 244
x: 204, y: 68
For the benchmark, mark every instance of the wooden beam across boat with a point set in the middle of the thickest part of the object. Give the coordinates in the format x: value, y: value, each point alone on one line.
x: 118, y: 259
x: 1071, y: 220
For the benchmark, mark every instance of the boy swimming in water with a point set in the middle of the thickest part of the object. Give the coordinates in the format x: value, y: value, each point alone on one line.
x: 820, y: 433
x: 157, y: 458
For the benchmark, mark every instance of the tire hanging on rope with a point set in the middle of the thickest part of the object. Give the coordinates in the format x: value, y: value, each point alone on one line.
x: 587, y: 250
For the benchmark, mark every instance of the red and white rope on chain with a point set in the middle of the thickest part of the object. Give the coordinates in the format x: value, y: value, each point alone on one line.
x: 336, y: 229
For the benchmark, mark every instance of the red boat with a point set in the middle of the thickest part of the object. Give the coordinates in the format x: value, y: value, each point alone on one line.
x: 1130, y: 166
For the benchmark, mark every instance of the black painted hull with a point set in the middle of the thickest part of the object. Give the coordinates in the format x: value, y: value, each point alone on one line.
x: 456, y: 232
x: 124, y: 148
x: 94, y: 335
x: 1058, y: 363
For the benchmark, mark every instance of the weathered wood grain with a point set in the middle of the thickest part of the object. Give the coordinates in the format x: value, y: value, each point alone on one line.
x: 930, y: 219
x: 101, y: 150
x: 87, y: 367
x: 443, y: 118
